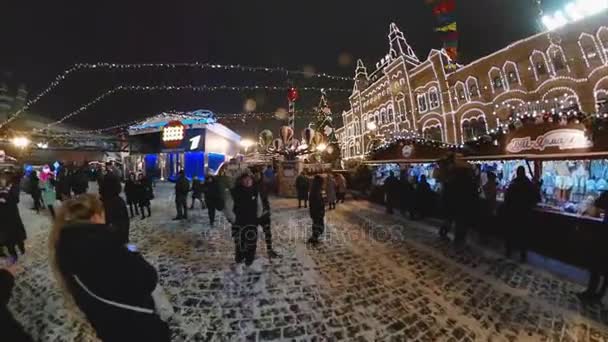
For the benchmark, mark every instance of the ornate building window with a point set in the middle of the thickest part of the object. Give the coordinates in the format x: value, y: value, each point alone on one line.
x: 433, y: 133
x: 422, y: 103
x: 434, y: 98
x: 357, y: 127
x: 391, y: 113
x: 557, y: 58
x: 496, y: 79
x: 602, y: 38
x: 461, y: 94
x: 474, y: 128
x: 473, y: 87
x: 510, y: 70
x: 401, y: 107
x: 538, y: 62
x: 590, y: 49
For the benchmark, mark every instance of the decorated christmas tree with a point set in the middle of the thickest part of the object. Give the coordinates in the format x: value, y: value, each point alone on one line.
x: 323, y: 124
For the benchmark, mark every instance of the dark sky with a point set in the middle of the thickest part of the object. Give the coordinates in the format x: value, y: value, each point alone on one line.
x: 42, y: 38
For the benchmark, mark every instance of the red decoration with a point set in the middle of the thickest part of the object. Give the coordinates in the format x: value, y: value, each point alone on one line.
x: 292, y: 94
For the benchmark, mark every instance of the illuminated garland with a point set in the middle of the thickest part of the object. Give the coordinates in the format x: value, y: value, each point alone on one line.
x: 203, y: 66
x: 203, y: 88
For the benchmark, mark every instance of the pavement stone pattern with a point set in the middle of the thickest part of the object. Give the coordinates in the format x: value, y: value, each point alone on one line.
x: 374, y: 278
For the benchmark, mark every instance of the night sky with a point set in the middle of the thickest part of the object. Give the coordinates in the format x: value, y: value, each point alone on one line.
x: 41, y: 39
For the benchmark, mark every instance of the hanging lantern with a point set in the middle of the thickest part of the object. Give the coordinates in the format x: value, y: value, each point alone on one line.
x: 265, y: 138
x: 286, y: 134
x: 308, y: 135
x: 292, y: 94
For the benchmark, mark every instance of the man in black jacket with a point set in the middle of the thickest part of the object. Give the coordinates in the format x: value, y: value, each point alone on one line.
x: 10, y: 328
x: 264, y: 220
x: 80, y: 181
x: 182, y: 187
x: 391, y: 189
x: 243, y: 210
x: 520, y: 199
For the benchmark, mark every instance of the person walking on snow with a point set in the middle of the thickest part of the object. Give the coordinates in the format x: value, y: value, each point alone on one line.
x: 391, y: 189
x: 182, y: 187
x: 197, y: 192
x: 144, y: 194
x: 47, y: 186
x: 243, y: 209
x: 302, y: 186
x: 213, y: 198
x: 316, y: 209
x: 265, y: 221
x: 340, y: 187
x: 131, y: 194
x: 330, y: 191
x: 12, y: 231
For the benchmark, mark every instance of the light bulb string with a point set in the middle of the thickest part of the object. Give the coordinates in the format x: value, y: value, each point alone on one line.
x: 122, y: 66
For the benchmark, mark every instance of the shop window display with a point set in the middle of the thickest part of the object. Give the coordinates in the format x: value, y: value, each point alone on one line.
x: 505, y: 172
x: 572, y: 185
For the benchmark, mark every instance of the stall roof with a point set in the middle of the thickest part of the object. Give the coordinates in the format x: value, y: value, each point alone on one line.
x: 196, y: 119
x: 401, y: 161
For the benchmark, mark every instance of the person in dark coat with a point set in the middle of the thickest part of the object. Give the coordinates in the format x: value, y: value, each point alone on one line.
x: 110, y: 284
x: 316, y: 209
x: 520, y: 199
x: 424, y: 198
x: 302, y: 186
x: 12, y: 231
x: 109, y: 184
x: 117, y: 217
x: 598, y: 272
x: 182, y: 187
x: 131, y: 194
x: 35, y: 191
x: 243, y: 209
x: 265, y: 220
x: 213, y: 198
x: 63, y: 185
x: 11, y: 329
x: 197, y: 192
x: 461, y: 198
x: 391, y: 189
x: 145, y: 194
x: 80, y: 181
x: 406, y: 194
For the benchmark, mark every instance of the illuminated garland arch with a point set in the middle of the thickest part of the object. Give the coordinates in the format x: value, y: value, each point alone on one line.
x: 603, y: 90
x: 563, y: 89
x: 433, y: 123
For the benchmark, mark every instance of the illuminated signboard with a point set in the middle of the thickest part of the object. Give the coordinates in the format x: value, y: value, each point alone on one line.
x: 177, y: 137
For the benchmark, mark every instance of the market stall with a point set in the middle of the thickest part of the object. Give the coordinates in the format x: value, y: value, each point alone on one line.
x: 192, y: 141
x: 570, y: 166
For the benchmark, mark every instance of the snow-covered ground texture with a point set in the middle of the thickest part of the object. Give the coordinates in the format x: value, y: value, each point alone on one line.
x: 374, y: 278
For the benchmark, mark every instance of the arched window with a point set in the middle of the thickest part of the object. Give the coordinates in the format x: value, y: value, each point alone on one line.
x: 401, y: 107
x: 602, y: 38
x: 422, y: 103
x: 391, y: 114
x: 497, y: 80
x: 510, y: 70
x: 434, y: 98
x: 461, y: 93
x: 357, y: 127
x: 538, y: 62
x: 377, y: 118
x: 433, y: 133
x: 474, y: 128
x: 384, y: 116
x: 557, y: 58
x: 473, y: 87
x: 590, y: 50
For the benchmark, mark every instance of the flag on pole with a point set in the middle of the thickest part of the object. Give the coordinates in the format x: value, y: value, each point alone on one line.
x: 445, y: 15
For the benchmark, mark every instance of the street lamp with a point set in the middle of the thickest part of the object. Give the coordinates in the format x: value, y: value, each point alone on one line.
x: 20, y: 142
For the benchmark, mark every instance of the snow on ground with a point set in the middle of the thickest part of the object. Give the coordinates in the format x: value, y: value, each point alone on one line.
x: 374, y: 278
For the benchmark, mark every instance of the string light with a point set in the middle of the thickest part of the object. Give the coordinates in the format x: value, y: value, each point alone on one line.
x: 125, y: 67
x: 204, y: 88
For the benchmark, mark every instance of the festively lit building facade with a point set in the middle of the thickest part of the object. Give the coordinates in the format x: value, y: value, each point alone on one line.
x: 558, y: 71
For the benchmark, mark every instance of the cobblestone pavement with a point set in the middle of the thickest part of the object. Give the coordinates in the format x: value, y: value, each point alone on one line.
x: 374, y: 278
